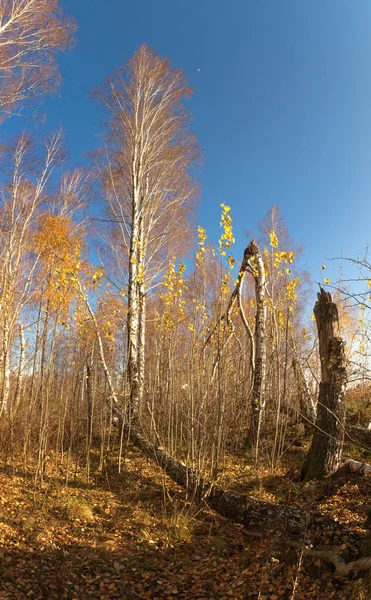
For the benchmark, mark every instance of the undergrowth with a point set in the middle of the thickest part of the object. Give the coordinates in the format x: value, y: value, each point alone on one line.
x: 135, y: 535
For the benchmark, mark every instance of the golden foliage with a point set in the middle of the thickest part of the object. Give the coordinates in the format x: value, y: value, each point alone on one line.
x: 172, y: 297
x: 59, y: 249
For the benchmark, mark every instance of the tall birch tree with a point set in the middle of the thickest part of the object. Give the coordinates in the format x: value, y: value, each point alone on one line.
x: 145, y: 174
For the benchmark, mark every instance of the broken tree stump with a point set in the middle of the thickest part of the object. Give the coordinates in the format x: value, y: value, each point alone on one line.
x: 324, y: 455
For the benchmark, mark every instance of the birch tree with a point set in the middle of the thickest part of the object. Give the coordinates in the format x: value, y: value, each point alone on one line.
x: 260, y: 353
x: 145, y: 174
x: 31, y: 32
x: 21, y: 198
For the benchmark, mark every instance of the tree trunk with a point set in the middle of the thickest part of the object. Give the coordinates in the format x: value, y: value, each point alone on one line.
x: 254, y: 513
x: 133, y: 316
x: 355, y: 466
x: 5, y: 388
x: 252, y: 262
x: 89, y: 393
x: 324, y: 455
x: 141, y: 344
x: 258, y: 391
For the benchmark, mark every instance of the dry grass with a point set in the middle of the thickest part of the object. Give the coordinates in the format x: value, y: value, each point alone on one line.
x: 76, y: 509
x: 179, y: 525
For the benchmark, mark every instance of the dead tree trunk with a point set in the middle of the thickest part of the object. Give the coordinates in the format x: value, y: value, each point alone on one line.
x: 252, y: 263
x: 355, y: 466
x: 255, y: 514
x: 324, y: 455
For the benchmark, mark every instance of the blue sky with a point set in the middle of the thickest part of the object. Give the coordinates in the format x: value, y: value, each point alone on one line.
x: 281, y: 105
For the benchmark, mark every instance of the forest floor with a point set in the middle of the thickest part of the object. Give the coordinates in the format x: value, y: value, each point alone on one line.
x: 133, y: 536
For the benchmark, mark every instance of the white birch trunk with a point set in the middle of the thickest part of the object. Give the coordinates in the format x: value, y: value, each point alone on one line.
x: 133, y: 318
x: 258, y: 391
x: 5, y: 386
x: 141, y: 343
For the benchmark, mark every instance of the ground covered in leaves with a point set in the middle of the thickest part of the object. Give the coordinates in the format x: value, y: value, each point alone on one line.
x: 134, y: 536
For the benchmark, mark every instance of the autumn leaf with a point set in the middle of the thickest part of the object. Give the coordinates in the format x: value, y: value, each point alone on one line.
x: 273, y: 239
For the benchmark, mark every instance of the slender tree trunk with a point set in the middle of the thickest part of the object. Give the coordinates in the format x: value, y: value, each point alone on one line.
x: 133, y: 315
x: 141, y: 344
x: 89, y: 402
x: 258, y: 391
x: 6, y: 370
x: 43, y: 400
x: 89, y: 391
x: 324, y: 455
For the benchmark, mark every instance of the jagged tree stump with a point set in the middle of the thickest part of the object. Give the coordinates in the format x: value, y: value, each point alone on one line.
x: 324, y: 455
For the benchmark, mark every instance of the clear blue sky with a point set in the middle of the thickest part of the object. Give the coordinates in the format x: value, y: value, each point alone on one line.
x: 281, y: 104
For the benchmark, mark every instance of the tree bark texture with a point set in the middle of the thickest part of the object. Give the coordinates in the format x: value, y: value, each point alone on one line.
x: 324, y: 455
x: 355, y: 466
x: 258, y: 390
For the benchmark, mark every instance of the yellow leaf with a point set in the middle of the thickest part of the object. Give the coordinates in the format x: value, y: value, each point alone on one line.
x: 273, y: 239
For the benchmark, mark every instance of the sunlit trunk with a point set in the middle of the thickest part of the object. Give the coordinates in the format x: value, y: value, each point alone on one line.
x: 258, y: 391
